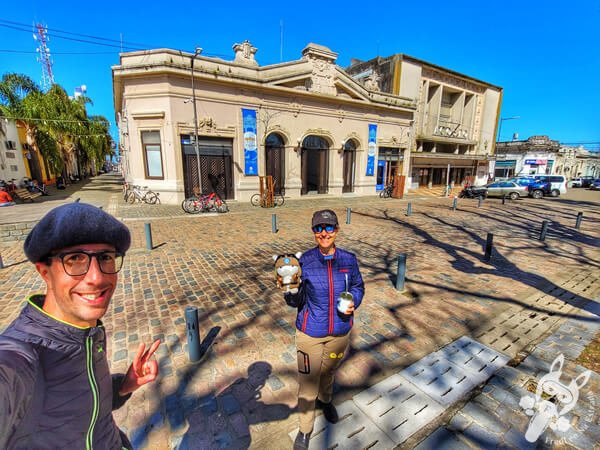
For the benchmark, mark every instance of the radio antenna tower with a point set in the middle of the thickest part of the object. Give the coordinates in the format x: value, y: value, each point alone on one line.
x: 41, y: 35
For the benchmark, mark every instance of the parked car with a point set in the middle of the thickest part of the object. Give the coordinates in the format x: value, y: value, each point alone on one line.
x: 576, y: 182
x: 541, y: 189
x: 508, y: 188
x: 587, y: 180
x: 595, y: 186
x: 523, y: 181
x: 558, y: 182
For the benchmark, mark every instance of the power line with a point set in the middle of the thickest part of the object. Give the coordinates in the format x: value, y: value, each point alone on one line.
x: 56, y: 120
x: 59, y: 53
x: 99, y: 38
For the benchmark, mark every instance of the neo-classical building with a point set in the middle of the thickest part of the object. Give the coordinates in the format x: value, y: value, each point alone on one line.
x: 455, y: 122
x: 307, y: 123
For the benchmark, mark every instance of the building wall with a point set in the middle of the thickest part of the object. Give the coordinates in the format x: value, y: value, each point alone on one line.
x: 12, y: 164
x: 159, y: 100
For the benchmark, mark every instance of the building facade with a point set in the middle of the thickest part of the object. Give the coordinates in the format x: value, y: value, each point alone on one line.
x: 14, y: 163
x: 535, y: 156
x: 455, y: 122
x: 306, y: 123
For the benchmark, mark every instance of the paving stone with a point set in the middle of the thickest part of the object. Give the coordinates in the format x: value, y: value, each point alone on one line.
x: 516, y: 439
x: 480, y: 436
x: 397, y: 407
x: 459, y: 422
x: 486, y: 418
x: 354, y: 430
x: 442, y: 438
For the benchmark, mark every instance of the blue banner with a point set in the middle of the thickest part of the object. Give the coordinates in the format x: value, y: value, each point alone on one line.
x: 371, y: 149
x: 250, y: 142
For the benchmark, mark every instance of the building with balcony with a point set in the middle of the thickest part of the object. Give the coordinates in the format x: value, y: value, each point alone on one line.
x: 306, y: 123
x: 455, y: 122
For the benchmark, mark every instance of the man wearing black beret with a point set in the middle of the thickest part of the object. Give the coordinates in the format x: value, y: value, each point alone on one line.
x: 56, y: 390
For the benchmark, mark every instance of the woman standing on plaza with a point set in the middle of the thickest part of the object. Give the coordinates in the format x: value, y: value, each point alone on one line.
x: 331, y: 289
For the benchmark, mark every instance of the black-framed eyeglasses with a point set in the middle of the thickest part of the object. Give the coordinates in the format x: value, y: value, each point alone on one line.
x: 78, y: 263
x: 320, y: 228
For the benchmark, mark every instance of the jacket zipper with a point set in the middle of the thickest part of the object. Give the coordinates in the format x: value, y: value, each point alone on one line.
x: 94, y: 387
x: 330, y: 275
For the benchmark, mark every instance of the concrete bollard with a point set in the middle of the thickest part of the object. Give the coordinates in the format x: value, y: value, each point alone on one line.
x: 489, y: 245
x: 274, y: 223
x: 401, y: 272
x: 348, y: 214
x: 504, y: 199
x: 409, y: 209
x: 148, y: 231
x: 193, y: 333
x: 454, y: 204
x: 544, y: 230
x: 578, y: 221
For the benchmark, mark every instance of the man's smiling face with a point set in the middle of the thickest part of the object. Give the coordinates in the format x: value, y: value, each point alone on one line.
x: 78, y: 300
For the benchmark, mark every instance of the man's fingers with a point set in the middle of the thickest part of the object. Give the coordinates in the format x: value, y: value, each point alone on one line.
x: 139, y: 353
x: 152, y: 349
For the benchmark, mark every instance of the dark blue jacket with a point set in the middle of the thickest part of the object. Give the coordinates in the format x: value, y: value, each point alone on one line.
x: 56, y: 390
x: 322, y: 282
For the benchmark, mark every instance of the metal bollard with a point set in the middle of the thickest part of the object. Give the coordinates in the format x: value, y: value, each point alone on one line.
x: 77, y: 200
x: 1, y: 263
x: 148, y: 231
x: 274, y: 223
x: 544, y: 230
x: 454, y: 204
x: 409, y: 209
x: 479, y: 201
x: 578, y: 221
x: 489, y: 244
x: 193, y: 333
x: 504, y: 199
x: 348, y: 213
x: 401, y: 272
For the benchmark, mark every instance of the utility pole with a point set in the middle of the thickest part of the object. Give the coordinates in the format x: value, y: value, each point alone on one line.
x: 196, y: 143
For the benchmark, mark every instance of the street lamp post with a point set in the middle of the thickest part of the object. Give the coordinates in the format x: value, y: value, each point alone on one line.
x: 196, y: 148
x: 502, y: 119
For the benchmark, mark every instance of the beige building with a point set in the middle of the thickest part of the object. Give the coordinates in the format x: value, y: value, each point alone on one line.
x: 307, y: 123
x: 455, y: 122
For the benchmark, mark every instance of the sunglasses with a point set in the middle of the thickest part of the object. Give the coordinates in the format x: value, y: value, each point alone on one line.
x: 320, y: 228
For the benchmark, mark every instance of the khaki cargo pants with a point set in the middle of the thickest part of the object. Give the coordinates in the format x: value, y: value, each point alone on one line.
x: 318, y: 359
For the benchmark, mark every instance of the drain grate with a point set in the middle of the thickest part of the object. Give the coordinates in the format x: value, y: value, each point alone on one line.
x: 354, y: 430
x: 474, y: 357
x: 397, y: 407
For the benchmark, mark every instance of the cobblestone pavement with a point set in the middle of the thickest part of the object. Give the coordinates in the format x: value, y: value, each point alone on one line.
x: 242, y: 393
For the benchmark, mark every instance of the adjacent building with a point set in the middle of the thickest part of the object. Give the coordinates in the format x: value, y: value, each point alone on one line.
x: 307, y: 123
x: 452, y: 138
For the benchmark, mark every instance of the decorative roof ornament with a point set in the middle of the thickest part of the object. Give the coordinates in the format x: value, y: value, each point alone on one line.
x: 244, y: 54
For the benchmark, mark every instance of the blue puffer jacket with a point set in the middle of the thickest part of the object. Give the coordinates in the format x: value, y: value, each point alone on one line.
x: 322, y: 282
x: 56, y: 390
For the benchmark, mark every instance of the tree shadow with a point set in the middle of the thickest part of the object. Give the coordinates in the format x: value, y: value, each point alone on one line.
x: 222, y: 419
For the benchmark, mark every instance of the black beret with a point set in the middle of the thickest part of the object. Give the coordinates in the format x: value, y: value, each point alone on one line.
x: 324, y: 217
x: 75, y: 224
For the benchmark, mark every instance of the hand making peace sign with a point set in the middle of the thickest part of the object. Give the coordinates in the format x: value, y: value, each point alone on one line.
x: 143, y: 369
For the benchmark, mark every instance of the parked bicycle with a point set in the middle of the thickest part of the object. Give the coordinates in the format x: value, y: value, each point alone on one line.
x: 204, y: 203
x: 141, y: 194
x: 387, y: 191
x: 256, y: 200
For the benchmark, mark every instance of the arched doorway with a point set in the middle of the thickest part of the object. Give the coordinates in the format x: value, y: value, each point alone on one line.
x: 275, y: 161
x: 315, y: 166
x: 348, y: 163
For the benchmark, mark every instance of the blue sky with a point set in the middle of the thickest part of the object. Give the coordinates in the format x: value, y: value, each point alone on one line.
x: 545, y: 54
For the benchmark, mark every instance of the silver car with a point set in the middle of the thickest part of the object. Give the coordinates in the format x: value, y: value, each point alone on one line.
x: 509, y: 188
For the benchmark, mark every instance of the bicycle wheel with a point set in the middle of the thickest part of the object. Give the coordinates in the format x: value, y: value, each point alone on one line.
x: 279, y: 200
x: 130, y: 198
x: 255, y: 200
x: 221, y: 206
x: 191, y: 205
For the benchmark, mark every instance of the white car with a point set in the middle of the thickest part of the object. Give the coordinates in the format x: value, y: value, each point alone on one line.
x: 576, y: 182
x: 557, y: 182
